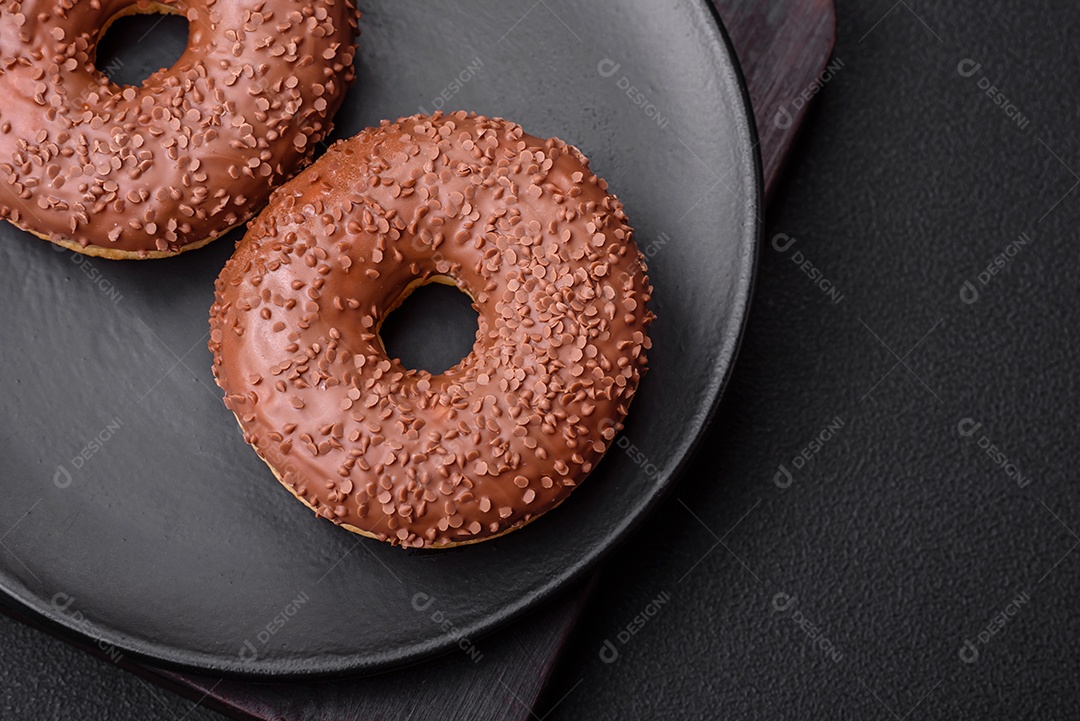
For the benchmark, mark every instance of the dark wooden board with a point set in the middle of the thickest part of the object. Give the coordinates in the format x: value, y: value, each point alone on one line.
x: 783, y: 46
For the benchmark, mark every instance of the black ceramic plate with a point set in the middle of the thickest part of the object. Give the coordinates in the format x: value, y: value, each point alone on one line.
x: 134, y: 513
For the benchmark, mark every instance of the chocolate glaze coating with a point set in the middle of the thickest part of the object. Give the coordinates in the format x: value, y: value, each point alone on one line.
x: 518, y: 223
x: 153, y: 170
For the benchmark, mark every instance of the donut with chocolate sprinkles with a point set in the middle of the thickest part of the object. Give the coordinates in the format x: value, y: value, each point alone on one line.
x: 152, y: 171
x: 518, y: 223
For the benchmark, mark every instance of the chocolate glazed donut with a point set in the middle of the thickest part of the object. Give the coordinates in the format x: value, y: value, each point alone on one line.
x: 151, y: 171
x: 518, y: 223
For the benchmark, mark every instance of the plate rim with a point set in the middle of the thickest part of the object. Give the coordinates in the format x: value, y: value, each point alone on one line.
x: 30, y: 609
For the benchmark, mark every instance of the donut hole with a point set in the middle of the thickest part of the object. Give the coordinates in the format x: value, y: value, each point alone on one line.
x: 134, y: 46
x: 433, y: 328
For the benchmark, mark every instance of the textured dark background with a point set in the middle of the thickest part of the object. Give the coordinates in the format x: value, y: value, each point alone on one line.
x: 901, y: 539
